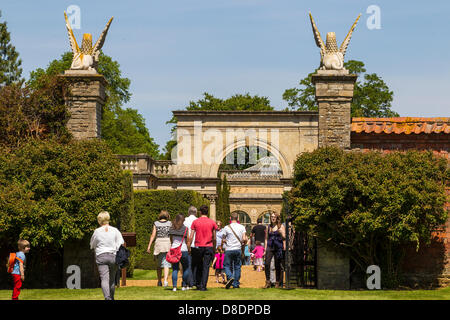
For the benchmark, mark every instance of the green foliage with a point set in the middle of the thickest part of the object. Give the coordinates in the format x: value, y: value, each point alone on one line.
x: 372, y: 98
x: 37, y: 111
x: 123, y: 129
x: 124, y: 132
x: 52, y: 192
x: 147, y: 206
x: 127, y: 219
x: 10, y: 71
x: 370, y: 205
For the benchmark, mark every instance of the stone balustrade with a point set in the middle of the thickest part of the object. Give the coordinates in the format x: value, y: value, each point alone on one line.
x: 251, y: 174
x: 144, y: 164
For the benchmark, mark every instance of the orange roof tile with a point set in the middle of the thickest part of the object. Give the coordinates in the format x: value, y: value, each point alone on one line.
x: 405, y: 125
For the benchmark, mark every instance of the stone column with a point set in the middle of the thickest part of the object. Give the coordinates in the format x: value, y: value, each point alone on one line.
x: 334, y: 94
x: 85, y: 102
x: 212, y: 208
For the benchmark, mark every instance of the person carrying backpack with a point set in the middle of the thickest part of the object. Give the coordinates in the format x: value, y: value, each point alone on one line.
x: 16, y: 266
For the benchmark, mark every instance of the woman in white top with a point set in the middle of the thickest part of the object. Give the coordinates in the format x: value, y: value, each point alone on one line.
x: 178, y: 233
x: 106, y: 241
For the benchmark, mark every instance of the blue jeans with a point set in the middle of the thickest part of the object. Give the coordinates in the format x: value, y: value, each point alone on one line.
x: 186, y: 270
x: 232, y: 266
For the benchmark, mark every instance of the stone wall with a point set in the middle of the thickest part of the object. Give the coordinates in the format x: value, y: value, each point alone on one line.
x: 333, y: 269
x: 78, y: 253
x: 334, y: 94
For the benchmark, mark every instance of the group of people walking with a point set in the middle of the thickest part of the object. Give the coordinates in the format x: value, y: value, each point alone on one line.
x: 202, y: 242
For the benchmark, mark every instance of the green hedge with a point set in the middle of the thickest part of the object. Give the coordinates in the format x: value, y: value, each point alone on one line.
x: 51, y: 194
x: 147, y: 206
x: 127, y: 219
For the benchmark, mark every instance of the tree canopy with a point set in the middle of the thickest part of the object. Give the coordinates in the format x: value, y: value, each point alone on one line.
x: 37, y: 112
x: 370, y: 206
x: 372, y: 97
x: 52, y: 192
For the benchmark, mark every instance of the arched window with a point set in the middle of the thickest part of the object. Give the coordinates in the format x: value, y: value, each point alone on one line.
x: 266, y: 217
x: 244, y: 219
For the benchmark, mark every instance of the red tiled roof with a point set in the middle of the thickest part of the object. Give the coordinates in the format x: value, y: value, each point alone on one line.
x: 405, y: 125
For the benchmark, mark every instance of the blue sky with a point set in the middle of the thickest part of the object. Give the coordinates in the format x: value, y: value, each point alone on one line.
x: 174, y: 50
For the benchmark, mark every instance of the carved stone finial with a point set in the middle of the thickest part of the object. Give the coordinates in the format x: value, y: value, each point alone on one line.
x: 86, y: 57
x: 331, y: 58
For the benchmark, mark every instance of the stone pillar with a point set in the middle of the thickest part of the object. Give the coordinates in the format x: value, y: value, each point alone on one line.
x: 334, y: 94
x: 85, y: 102
x: 212, y: 208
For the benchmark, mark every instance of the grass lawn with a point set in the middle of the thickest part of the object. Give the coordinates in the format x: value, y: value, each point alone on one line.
x: 159, y: 293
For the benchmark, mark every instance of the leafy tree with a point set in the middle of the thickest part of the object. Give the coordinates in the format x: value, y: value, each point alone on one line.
x: 123, y: 129
x: 238, y: 102
x: 370, y: 206
x: 52, y: 192
x: 37, y: 112
x: 10, y: 71
x: 372, y: 98
x: 223, y: 200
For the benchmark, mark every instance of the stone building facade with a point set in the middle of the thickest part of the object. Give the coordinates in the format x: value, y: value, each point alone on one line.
x: 205, y: 138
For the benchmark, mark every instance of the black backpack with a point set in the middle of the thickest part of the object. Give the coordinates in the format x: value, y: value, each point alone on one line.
x: 122, y: 257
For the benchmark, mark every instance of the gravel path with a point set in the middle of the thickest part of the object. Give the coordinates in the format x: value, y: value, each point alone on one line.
x: 249, y: 279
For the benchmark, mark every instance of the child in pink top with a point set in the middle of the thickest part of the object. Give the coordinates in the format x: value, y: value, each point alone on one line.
x: 258, y: 253
x: 218, y: 264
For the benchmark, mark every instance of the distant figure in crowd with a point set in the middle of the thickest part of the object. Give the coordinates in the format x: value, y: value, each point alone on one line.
x: 106, y: 241
x: 192, y: 215
x: 234, y: 237
x: 162, y: 245
x: 219, y: 234
x: 274, y: 248
x: 218, y: 264
x: 178, y: 235
x: 204, y: 230
x: 246, y: 260
x: 18, y: 273
x: 258, y: 254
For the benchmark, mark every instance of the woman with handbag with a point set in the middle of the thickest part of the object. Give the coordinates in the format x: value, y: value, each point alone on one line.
x: 162, y: 245
x: 178, y: 252
x: 274, y: 249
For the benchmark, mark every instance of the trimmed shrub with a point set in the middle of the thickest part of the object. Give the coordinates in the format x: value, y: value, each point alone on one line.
x: 51, y: 193
x: 147, y: 206
x: 370, y: 206
x: 127, y: 220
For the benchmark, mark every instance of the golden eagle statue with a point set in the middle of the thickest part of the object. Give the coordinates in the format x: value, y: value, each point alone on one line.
x: 86, y: 57
x: 331, y: 58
